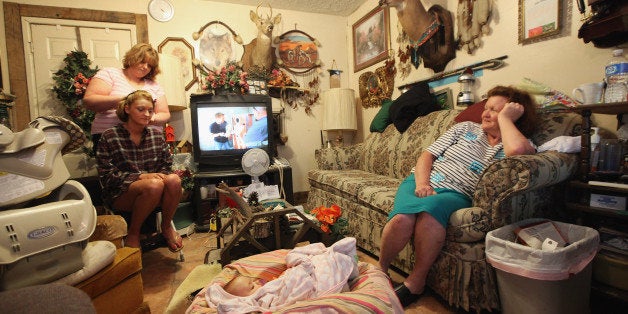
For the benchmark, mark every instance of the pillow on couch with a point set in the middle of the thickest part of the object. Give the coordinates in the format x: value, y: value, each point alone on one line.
x: 382, y: 118
x: 472, y: 113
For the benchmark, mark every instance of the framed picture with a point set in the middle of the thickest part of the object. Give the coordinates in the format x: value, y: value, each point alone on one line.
x: 371, y: 38
x: 538, y: 19
x: 444, y: 98
x: 180, y: 48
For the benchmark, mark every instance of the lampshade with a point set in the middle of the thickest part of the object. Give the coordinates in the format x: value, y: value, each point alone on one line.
x: 171, y: 80
x: 339, y: 112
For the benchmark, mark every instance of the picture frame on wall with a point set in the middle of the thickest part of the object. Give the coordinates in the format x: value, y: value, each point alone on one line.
x: 180, y: 48
x: 539, y: 19
x: 444, y: 98
x: 371, y: 38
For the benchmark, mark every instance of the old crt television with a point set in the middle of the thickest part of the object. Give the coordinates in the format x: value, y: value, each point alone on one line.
x: 242, y: 128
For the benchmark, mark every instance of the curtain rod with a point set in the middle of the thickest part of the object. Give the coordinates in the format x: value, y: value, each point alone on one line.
x: 492, y: 64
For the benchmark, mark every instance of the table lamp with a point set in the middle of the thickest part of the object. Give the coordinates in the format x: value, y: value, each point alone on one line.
x: 339, y: 111
x: 170, y: 80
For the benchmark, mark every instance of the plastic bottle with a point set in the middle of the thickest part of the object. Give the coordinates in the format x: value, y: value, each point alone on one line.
x: 616, y: 78
x: 595, y: 148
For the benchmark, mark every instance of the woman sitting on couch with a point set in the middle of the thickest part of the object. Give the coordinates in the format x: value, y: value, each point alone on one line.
x: 444, y: 179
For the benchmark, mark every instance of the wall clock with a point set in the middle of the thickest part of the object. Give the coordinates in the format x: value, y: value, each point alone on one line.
x: 161, y: 10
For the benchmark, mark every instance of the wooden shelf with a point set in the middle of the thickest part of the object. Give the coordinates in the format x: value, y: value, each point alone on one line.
x: 606, y: 108
x: 597, y: 211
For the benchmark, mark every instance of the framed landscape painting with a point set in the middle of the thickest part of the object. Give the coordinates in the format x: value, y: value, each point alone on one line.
x: 371, y: 38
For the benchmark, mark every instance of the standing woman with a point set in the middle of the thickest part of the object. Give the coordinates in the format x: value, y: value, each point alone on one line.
x: 134, y: 168
x: 140, y: 65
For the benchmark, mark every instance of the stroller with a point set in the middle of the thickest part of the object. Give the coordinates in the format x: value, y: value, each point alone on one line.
x: 45, y: 219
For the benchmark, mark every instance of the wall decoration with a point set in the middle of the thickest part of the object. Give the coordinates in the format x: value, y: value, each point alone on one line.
x: 371, y: 38
x: 258, y: 87
x: 259, y: 52
x: 298, y: 51
x: 444, y: 98
x: 180, y: 48
x: 472, y: 17
x: 216, y: 46
x: 538, y: 19
x: 377, y: 86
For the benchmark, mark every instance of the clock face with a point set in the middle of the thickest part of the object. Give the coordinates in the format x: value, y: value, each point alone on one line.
x: 161, y: 10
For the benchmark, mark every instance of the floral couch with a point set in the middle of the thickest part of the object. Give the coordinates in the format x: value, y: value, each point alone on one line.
x: 364, y: 177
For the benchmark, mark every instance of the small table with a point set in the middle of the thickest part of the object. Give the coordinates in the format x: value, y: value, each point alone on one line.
x: 243, y: 232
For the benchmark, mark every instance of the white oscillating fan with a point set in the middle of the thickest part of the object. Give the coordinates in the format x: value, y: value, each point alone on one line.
x: 255, y: 162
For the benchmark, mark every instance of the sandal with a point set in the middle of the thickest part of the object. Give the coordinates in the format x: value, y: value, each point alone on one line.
x: 405, y: 296
x: 176, y: 244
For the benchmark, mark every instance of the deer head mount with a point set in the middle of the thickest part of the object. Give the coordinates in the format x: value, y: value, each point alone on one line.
x: 259, y: 51
x: 430, y: 32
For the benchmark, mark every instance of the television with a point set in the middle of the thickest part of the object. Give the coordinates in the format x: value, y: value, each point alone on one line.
x: 224, y: 127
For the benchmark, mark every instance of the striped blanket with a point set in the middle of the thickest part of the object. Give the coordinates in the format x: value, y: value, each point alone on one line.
x: 370, y: 292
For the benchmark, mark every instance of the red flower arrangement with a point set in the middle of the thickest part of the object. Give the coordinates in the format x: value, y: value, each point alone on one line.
x: 229, y: 78
x: 327, y: 216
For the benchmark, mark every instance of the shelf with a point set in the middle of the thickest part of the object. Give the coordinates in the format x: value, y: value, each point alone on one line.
x: 621, y: 214
x: 591, y: 187
x: 606, y: 108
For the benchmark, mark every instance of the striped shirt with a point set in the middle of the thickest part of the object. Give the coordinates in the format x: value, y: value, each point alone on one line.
x: 462, y: 154
x: 120, y: 161
x: 120, y: 86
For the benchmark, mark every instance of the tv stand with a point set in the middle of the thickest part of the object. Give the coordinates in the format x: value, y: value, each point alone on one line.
x: 236, y: 177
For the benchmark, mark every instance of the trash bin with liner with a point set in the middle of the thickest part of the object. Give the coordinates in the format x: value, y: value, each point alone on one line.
x: 543, y: 280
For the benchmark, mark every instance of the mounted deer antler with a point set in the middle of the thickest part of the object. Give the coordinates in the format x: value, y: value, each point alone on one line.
x: 259, y: 51
x: 430, y: 31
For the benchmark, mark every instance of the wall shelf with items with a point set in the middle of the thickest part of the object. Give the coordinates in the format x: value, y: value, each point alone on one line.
x: 599, y: 201
x: 617, y: 108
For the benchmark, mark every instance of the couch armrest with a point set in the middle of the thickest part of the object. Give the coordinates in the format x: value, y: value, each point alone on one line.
x: 494, y: 201
x: 339, y: 158
x: 110, y: 228
x: 516, y: 175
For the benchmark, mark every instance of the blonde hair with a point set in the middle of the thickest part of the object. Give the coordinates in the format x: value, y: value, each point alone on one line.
x: 139, y: 53
x: 129, y: 100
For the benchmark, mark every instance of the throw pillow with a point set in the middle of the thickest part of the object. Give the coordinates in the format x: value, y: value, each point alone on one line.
x: 472, y: 113
x: 382, y: 118
x: 416, y: 102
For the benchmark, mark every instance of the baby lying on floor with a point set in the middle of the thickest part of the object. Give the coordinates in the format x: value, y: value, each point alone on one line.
x: 313, y: 271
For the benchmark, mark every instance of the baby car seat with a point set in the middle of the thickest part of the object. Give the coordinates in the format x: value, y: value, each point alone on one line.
x: 45, y: 220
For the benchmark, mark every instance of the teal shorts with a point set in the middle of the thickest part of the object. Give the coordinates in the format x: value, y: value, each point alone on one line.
x: 439, y: 206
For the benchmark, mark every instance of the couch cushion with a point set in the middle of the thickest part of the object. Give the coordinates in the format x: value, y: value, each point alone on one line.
x: 472, y: 113
x: 127, y: 262
x: 554, y: 124
x: 371, y: 190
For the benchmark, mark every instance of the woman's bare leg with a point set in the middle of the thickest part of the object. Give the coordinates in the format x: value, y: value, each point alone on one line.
x: 396, y: 234
x: 141, y: 199
x: 169, y: 203
x: 429, y: 237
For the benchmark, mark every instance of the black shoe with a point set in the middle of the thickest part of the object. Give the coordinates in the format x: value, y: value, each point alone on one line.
x: 405, y: 296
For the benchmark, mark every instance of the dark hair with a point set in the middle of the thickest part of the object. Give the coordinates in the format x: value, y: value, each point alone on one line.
x: 130, y: 99
x: 527, y: 122
x: 139, y: 53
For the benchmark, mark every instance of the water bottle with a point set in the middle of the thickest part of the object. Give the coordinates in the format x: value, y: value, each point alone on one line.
x: 616, y: 78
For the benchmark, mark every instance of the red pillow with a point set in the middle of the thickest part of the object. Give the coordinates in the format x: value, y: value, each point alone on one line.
x: 472, y: 113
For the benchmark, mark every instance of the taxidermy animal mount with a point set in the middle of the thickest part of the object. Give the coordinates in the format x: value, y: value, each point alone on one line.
x: 431, y: 32
x: 259, y: 51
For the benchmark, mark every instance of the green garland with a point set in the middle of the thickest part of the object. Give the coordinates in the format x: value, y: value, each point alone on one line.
x: 70, y: 84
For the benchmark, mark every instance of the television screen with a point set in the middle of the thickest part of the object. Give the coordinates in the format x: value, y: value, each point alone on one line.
x: 224, y: 127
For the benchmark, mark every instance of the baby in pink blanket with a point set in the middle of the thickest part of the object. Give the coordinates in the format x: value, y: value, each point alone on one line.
x: 313, y: 271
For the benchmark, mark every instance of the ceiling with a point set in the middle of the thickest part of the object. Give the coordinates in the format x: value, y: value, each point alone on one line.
x: 331, y: 7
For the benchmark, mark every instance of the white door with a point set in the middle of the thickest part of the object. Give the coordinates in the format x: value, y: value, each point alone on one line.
x: 47, y: 44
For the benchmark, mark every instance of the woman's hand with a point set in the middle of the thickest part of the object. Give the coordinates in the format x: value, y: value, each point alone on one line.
x: 512, y: 111
x: 423, y: 190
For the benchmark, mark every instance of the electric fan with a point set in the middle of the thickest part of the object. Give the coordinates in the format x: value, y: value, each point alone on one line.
x: 255, y: 162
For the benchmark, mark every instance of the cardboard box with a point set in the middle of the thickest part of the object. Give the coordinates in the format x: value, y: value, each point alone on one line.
x: 608, y: 201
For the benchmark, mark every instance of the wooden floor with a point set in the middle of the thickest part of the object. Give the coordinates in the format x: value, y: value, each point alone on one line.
x: 163, y: 272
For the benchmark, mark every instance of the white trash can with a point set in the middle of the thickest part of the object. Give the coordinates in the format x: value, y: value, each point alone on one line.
x: 536, y: 281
